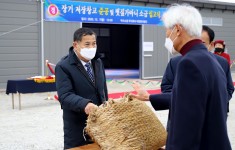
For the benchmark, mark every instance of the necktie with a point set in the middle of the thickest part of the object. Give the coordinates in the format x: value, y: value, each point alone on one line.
x: 89, y: 71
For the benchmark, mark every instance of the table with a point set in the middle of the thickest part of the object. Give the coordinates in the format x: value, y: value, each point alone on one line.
x: 93, y: 146
x: 27, y: 86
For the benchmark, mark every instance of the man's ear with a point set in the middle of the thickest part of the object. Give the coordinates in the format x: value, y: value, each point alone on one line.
x: 179, y: 29
x: 75, y: 44
x: 212, y: 44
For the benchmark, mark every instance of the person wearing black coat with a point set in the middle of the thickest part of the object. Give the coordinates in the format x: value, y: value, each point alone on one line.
x: 207, y: 38
x: 81, y: 86
x: 162, y: 101
x: 198, y: 101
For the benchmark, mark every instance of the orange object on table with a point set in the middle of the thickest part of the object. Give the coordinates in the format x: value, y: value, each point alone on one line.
x: 93, y: 146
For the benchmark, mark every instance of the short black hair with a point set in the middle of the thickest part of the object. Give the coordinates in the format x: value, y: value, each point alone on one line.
x: 209, y: 31
x: 79, y: 33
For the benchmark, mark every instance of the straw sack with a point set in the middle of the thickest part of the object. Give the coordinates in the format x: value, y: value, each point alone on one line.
x: 126, y: 124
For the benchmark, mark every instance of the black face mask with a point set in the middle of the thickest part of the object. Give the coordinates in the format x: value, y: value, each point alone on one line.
x: 219, y: 50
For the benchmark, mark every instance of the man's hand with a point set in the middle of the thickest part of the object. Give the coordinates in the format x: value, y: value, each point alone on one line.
x: 89, y: 107
x: 142, y: 94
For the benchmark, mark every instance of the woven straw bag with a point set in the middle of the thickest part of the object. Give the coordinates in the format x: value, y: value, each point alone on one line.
x: 126, y: 124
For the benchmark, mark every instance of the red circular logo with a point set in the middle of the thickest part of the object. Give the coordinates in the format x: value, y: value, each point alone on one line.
x: 53, y: 10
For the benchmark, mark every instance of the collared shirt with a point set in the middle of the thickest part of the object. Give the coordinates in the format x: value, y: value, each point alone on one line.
x: 184, y: 50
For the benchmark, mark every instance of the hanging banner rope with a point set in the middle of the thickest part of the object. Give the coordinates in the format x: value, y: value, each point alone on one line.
x: 125, y: 82
x: 5, y: 33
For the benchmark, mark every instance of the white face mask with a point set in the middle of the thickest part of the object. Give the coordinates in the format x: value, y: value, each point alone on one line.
x: 169, y: 44
x: 88, y: 53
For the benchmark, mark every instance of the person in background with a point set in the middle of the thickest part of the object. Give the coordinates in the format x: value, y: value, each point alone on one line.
x: 81, y: 86
x: 207, y: 38
x: 199, y: 94
x: 219, y: 50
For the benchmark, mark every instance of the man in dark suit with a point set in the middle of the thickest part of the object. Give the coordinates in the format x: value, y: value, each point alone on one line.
x: 198, y: 99
x: 169, y: 75
x: 162, y: 101
x: 81, y: 86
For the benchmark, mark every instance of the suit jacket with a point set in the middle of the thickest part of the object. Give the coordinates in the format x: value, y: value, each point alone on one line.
x: 75, y: 90
x: 162, y: 101
x: 198, y: 103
